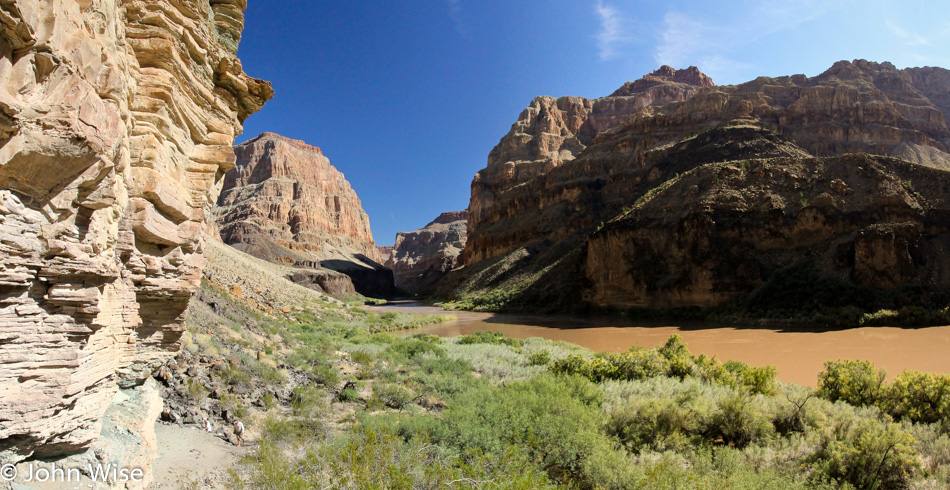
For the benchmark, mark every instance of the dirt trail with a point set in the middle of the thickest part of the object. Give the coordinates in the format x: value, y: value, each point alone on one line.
x: 188, y: 455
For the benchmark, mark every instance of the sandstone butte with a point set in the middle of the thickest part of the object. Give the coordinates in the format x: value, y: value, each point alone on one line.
x: 285, y: 203
x: 673, y: 192
x: 419, y: 259
x: 118, y: 120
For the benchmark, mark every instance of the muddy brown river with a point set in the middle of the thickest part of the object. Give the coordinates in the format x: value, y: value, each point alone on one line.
x: 798, y: 355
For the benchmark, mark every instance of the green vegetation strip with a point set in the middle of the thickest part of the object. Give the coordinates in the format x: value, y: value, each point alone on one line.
x: 372, y: 410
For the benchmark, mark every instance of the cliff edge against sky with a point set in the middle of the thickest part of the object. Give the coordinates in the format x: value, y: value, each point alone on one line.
x: 118, y: 119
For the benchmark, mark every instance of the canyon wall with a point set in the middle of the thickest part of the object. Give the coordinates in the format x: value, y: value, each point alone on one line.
x: 531, y: 234
x: 117, y: 122
x: 284, y: 202
x: 420, y: 258
x: 552, y: 131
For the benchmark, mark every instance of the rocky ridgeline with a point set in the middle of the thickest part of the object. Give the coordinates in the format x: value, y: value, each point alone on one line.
x: 420, y: 258
x: 285, y: 203
x: 530, y: 231
x: 118, y: 120
x: 551, y: 132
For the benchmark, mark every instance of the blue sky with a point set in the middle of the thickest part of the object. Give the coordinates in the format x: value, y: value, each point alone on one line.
x: 407, y: 97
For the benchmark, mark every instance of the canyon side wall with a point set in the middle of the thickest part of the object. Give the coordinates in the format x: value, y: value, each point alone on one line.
x: 285, y: 203
x: 117, y: 120
x: 419, y: 259
x: 530, y: 231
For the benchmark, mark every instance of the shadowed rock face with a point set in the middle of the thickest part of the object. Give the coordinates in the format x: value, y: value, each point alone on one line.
x: 552, y: 225
x: 551, y: 132
x: 420, y: 258
x: 116, y: 125
x: 284, y: 203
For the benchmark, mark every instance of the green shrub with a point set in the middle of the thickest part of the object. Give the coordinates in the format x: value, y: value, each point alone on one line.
x: 308, y: 401
x: 658, y: 423
x: 328, y: 376
x: 920, y: 397
x: 393, y: 395
x: 758, y: 380
x: 854, y: 382
x: 234, y: 406
x: 196, y: 391
x: 269, y: 401
x: 348, y: 395
x: 376, y: 457
x: 488, y: 337
x: 638, y: 364
x: 670, y: 359
x: 554, y: 421
x: 362, y: 357
x: 402, y: 350
x: 539, y: 358
x: 867, y: 454
x: 739, y: 421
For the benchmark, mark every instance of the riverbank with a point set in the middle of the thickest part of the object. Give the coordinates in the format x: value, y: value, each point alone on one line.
x: 799, y: 355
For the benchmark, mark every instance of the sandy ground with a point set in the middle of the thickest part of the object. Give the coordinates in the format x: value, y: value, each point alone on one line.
x: 188, y: 456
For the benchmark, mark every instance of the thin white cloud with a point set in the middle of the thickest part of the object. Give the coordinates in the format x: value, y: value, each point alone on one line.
x: 455, y: 13
x: 687, y: 39
x: 683, y: 39
x: 611, y: 36
x: 910, y: 39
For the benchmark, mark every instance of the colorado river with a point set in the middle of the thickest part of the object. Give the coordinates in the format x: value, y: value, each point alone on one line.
x: 798, y: 355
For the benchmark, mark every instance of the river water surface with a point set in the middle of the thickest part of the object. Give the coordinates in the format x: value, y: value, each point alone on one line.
x: 798, y: 355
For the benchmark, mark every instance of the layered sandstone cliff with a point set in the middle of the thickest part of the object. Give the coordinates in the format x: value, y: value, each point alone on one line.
x: 551, y: 132
x: 527, y: 232
x: 117, y: 124
x: 284, y: 202
x: 420, y: 258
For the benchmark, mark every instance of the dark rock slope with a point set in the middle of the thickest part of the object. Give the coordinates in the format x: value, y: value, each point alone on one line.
x: 420, y: 258
x: 719, y: 196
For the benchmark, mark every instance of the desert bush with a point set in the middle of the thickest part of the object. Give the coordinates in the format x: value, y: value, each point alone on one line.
x: 348, y: 395
x: 539, y: 358
x: 739, y: 421
x: 496, y: 361
x: 375, y: 457
x: 362, y: 357
x: 555, y: 421
x: 856, y: 382
x: 308, y: 401
x: 195, y: 390
x: 756, y: 379
x: 269, y: 401
x: 488, y: 337
x: 919, y: 397
x: 670, y: 359
x: 639, y: 364
x: 393, y: 395
x: 659, y: 423
x: 234, y: 406
x: 328, y: 376
x: 404, y: 349
x: 867, y: 453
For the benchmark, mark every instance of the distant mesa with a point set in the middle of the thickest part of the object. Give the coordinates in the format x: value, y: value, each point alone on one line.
x: 419, y: 259
x: 285, y: 203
